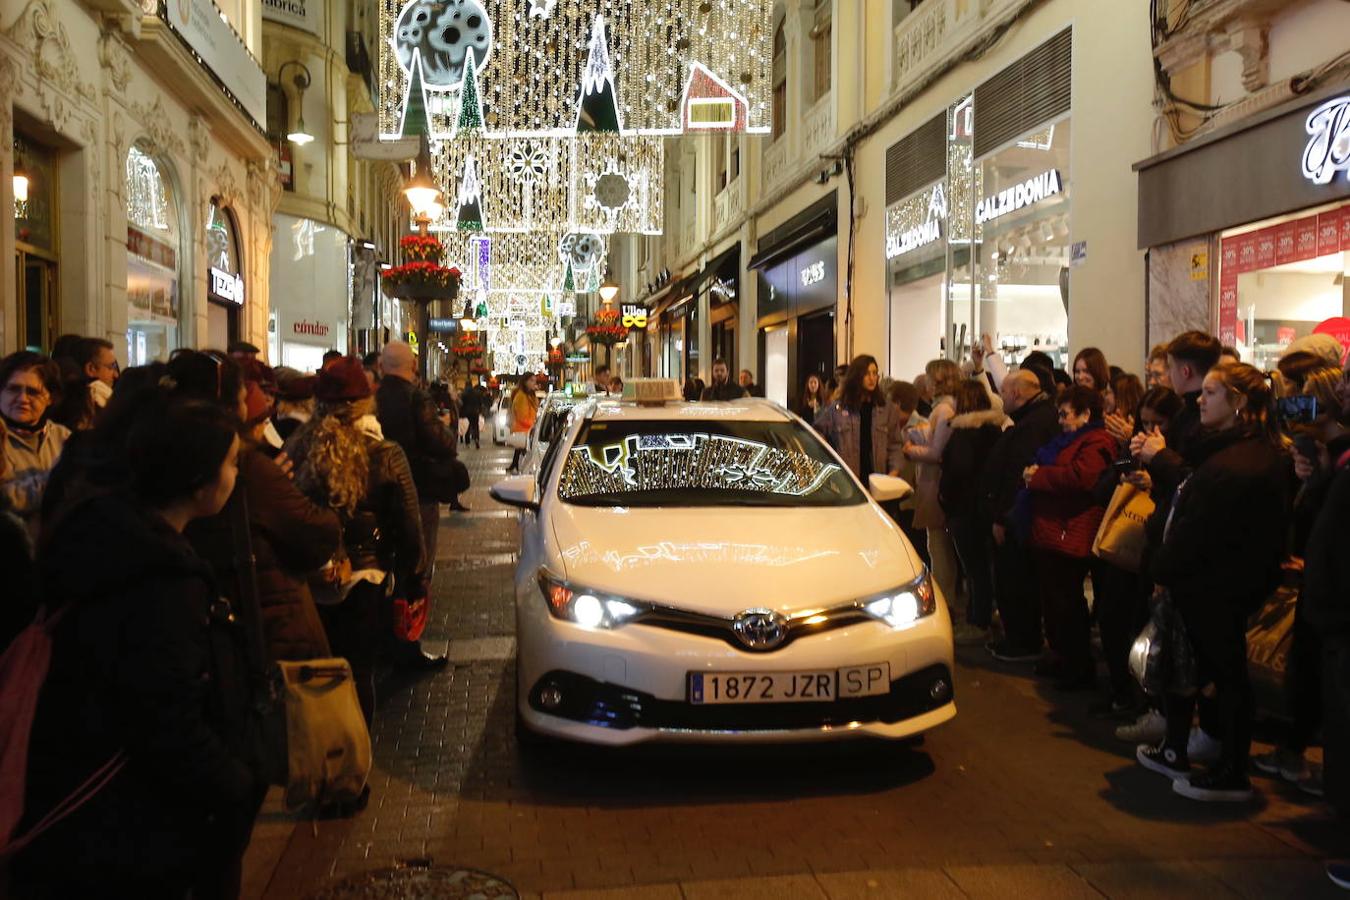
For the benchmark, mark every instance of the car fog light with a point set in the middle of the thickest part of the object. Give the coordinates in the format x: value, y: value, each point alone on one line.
x: 551, y: 697
x: 940, y: 690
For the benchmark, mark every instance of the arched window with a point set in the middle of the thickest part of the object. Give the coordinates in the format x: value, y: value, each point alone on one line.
x: 153, y: 247
x: 224, y: 277
x: 822, y: 30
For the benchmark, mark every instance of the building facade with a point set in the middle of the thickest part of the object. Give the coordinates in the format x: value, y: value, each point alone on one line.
x: 1244, y: 210
x: 937, y: 170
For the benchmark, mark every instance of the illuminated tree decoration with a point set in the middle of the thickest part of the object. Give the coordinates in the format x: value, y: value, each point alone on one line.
x: 470, y: 198
x: 416, y: 120
x: 569, y: 284
x: 470, y: 104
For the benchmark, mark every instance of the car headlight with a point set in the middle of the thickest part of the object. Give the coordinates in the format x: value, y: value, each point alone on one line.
x: 906, y: 604
x: 587, y: 608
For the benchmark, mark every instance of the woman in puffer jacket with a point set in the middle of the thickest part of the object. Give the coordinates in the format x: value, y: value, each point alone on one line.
x: 1065, y: 515
x: 974, y: 430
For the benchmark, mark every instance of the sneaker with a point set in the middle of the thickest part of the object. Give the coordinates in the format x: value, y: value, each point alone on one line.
x: 1149, y: 728
x: 1005, y: 651
x: 1111, y: 708
x: 967, y: 635
x: 1163, y: 759
x: 1287, y: 764
x: 1311, y: 783
x: 1339, y: 873
x: 1200, y: 747
x: 1222, y: 784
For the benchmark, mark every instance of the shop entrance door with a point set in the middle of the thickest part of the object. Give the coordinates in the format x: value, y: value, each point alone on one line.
x: 36, y: 287
x: 815, y: 348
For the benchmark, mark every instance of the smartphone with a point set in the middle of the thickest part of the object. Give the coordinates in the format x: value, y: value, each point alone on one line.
x: 1297, y: 410
x: 1125, y: 466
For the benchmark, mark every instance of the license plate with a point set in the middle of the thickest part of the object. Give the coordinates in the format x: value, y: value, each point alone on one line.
x: 807, y: 686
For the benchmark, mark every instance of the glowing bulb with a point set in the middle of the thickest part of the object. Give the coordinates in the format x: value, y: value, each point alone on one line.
x: 20, y: 188
x: 587, y: 611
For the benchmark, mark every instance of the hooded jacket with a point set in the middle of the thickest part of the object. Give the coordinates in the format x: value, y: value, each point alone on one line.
x: 148, y: 660
x: 30, y: 457
x: 973, y: 437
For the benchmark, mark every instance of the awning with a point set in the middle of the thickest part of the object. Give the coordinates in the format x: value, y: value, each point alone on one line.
x: 725, y: 265
x: 815, y: 223
x: 722, y: 312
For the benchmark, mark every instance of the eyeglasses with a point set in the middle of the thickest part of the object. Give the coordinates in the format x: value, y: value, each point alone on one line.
x: 21, y: 390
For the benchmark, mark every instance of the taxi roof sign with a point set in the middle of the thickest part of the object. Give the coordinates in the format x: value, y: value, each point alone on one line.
x: 651, y: 391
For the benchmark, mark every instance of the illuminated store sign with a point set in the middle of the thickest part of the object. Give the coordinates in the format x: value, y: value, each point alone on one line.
x: 921, y: 235
x: 813, y: 274
x: 1033, y: 190
x: 634, y: 316
x: 226, y: 286
x: 1328, y: 150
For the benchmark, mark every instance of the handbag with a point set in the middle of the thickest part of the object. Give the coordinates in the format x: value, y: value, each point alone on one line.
x: 314, y: 740
x: 410, y: 618
x: 328, y: 752
x: 1122, y: 538
x: 518, y: 440
x: 444, y: 479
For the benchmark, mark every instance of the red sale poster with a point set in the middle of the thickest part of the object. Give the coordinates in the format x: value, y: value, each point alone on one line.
x: 1265, y: 247
x: 1345, y: 227
x: 1285, y: 237
x: 1305, y: 239
x: 1228, y: 307
x: 1329, y: 233
x: 1246, y: 252
x: 1229, y: 255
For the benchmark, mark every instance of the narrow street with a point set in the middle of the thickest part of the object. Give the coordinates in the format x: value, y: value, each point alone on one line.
x: 1023, y: 794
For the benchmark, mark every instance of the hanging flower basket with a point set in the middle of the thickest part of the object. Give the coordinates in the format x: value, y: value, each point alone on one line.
x: 421, y: 277
x: 608, y: 328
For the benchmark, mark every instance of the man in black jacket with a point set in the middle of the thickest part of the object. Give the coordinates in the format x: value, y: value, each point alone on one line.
x: 1035, y: 423
x: 408, y: 418
x: 473, y: 402
x: 721, y: 388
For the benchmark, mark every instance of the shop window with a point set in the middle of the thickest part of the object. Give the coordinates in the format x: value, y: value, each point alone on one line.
x: 1283, y: 279
x: 35, y: 232
x: 153, y: 248
x: 224, y: 278
x: 34, y: 214
x: 1021, y: 231
x: 779, y: 81
x: 821, y: 56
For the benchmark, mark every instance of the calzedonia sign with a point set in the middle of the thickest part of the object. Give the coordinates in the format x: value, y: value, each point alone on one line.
x: 1033, y: 190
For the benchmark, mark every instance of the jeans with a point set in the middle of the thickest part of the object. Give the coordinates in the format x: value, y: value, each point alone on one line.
x: 1018, y: 605
x: 1218, y: 632
x: 1068, y: 627
x: 431, y: 530
x: 356, y: 628
x: 972, y: 539
x: 471, y: 436
x: 1121, y: 606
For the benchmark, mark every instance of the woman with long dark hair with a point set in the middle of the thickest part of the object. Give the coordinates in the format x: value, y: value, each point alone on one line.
x: 148, y: 682
x: 1091, y: 371
x: 943, y: 377
x: 862, y: 425
x: 1220, y: 556
x: 813, y: 399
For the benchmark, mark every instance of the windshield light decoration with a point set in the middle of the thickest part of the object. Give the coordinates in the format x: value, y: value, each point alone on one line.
x: 690, y: 461
x: 1328, y: 150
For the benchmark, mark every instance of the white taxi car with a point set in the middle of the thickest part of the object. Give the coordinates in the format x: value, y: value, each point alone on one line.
x: 713, y: 572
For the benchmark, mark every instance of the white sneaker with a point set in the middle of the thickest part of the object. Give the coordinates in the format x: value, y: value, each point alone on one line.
x: 1149, y: 728
x: 1200, y: 747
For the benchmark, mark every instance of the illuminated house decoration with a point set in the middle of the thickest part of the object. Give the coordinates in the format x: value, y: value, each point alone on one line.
x: 710, y: 104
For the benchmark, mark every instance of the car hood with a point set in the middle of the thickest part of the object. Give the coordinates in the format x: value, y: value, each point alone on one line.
x: 723, y: 560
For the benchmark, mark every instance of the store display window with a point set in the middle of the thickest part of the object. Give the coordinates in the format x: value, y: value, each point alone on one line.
x: 153, y: 245
x: 1282, y: 279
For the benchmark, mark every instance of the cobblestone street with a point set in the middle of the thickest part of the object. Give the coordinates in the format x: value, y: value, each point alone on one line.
x: 1024, y: 794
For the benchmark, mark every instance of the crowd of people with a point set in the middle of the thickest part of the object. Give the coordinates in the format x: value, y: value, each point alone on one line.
x: 1205, y: 485
x: 179, y: 527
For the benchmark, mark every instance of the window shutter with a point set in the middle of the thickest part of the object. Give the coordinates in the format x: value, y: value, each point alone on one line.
x: 1030, y: 92
x: 917, y: 160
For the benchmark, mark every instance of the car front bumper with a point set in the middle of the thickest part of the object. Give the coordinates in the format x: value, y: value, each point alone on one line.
x: 629, y: 685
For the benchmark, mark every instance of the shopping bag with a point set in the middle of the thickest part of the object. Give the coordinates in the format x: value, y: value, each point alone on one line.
x: 1121, y: 538
x: 327, y: 744
x: 1161, y: 658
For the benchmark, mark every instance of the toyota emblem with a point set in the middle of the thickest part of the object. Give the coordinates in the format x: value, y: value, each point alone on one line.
x: 760, y: 629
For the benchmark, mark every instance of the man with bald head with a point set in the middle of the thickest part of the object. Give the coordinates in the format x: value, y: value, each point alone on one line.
x: 408, y: 417
x: 1035, y: 423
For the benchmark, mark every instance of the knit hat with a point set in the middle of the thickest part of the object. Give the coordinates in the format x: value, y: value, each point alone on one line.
x: 293, y: 385
x: 1322, y: 345
x: 343, y: 380
x: 258, y: 404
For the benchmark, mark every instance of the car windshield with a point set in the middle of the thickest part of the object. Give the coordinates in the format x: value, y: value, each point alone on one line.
x: 702, y: 463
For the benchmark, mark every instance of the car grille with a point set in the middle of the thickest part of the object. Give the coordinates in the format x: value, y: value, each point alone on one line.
x: 613, y: 706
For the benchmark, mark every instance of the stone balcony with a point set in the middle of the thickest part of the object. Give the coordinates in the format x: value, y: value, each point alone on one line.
x: 939, y: 31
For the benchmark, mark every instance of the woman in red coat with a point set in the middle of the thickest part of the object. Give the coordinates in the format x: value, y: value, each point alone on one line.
x: 1064, y: 520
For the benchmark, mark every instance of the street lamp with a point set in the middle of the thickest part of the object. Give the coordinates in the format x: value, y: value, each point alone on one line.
x: 425, y: 199
x: 302, y: 82
x: 609, y: 290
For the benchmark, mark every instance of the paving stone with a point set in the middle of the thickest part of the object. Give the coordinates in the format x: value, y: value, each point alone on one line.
x: 925, y: 884
x: 1152, y: 879
x: 1274, y: 879
x: 1043, y: 882
x: 648, y: 892
x: 789, y: 887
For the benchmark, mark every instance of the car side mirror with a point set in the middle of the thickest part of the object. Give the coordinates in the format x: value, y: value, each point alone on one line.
x: 887, y: 487
x: 517, y: 491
